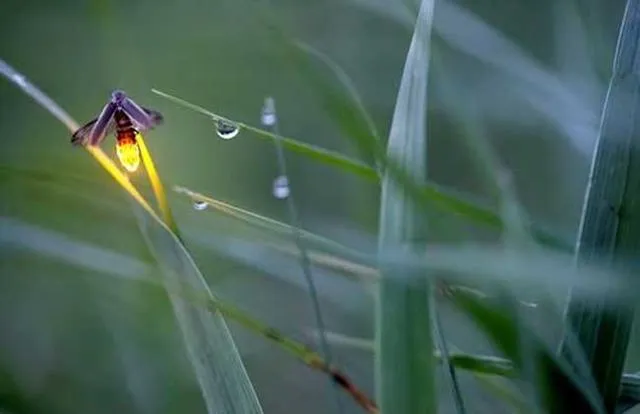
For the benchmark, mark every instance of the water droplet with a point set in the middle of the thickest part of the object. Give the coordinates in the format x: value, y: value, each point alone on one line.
x: 200, y: 205
x: 226, y: 129
x: 281, y: 187
x: 268, y: 115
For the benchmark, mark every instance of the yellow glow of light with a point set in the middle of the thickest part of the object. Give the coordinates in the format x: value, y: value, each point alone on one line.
x: 129, y: 155
x: 156, y: 184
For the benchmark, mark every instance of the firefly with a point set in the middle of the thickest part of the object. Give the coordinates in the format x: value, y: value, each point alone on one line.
x: 124, y: 117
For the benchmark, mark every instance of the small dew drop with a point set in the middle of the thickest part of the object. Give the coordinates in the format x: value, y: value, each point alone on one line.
x: 226, y: 130
x: 281, y: 187
x: 268, y: 115
x: 200, y: 205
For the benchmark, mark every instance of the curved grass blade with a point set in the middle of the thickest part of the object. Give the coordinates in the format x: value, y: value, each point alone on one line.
x: 198, y: 317
x: 32, y: 91
x: 156, y: 184
x: 207, y: 337
x: 100, y: 260
x: 427, y: 194
x: 61, y: 247
x: 349, y: 87
x: 362, y: 266
x: 341, y: 258
x: 312, y: 151
x: 348, y: 84
x: 610, y: 222
x: 226, y: 390
x: 260, y: 221
x: 354, y: 121
x: 559, y: 387
x: 294, y: 348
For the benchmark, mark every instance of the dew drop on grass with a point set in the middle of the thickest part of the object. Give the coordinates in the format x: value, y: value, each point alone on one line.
x: 268, y: 114
x: 281, y: 187
x: 200, y: 205
x: 226, y: 129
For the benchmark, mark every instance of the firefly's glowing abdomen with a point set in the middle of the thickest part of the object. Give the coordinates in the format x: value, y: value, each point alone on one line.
x: 127, y: 150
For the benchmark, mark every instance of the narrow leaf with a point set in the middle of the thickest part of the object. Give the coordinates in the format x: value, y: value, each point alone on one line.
x: 405, y: 380
x: 156, y: 184
x: 609, y: 228
x: 427, y: 194
x: 314, y: 152
x: 560, y: 387
x: 223, y: 379
x: 104, y: 262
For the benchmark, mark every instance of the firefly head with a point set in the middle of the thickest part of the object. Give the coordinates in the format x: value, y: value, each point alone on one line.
x: 118, y: 96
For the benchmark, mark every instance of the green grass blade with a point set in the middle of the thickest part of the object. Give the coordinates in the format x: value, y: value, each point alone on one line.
x: 347, y: 83
x: 305, y: 263
x: 105, y: 262
x: 477, y: 364
x: 156, y: 185
x: 610, y: 224
x: 427, y: 194
x: 405, y: 380
x: 224, y: 382
x: 349, y: 113
x: 445, y: 358
x: 314, y: 152
x: 260, y: 221
x: 559, y: 387
x: 357, y: 114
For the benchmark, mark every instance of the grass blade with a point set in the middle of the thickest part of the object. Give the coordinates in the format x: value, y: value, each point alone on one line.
x: 349, y: 87
x: 406, y: 381
x: 427, y: 194
x: 305, y: 263
x: 558, y: 386
x: 224, y: 382
x: 101, y: 261
x: 260, y: 221
x: 476, y: 364
x: 156, y: 184
x: 314, y: 152
x: 446, y: 359
x: 610, y: 223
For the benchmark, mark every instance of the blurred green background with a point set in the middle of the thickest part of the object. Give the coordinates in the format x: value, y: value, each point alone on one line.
x: 74, y: 339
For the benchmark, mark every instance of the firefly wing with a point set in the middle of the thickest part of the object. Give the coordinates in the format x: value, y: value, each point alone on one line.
x: 156, y: 117
x: 141, y: 119
x: 82, y: 135
x: 103, y: 123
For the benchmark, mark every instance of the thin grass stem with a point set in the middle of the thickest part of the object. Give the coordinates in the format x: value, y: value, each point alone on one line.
x: 304, y: 258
